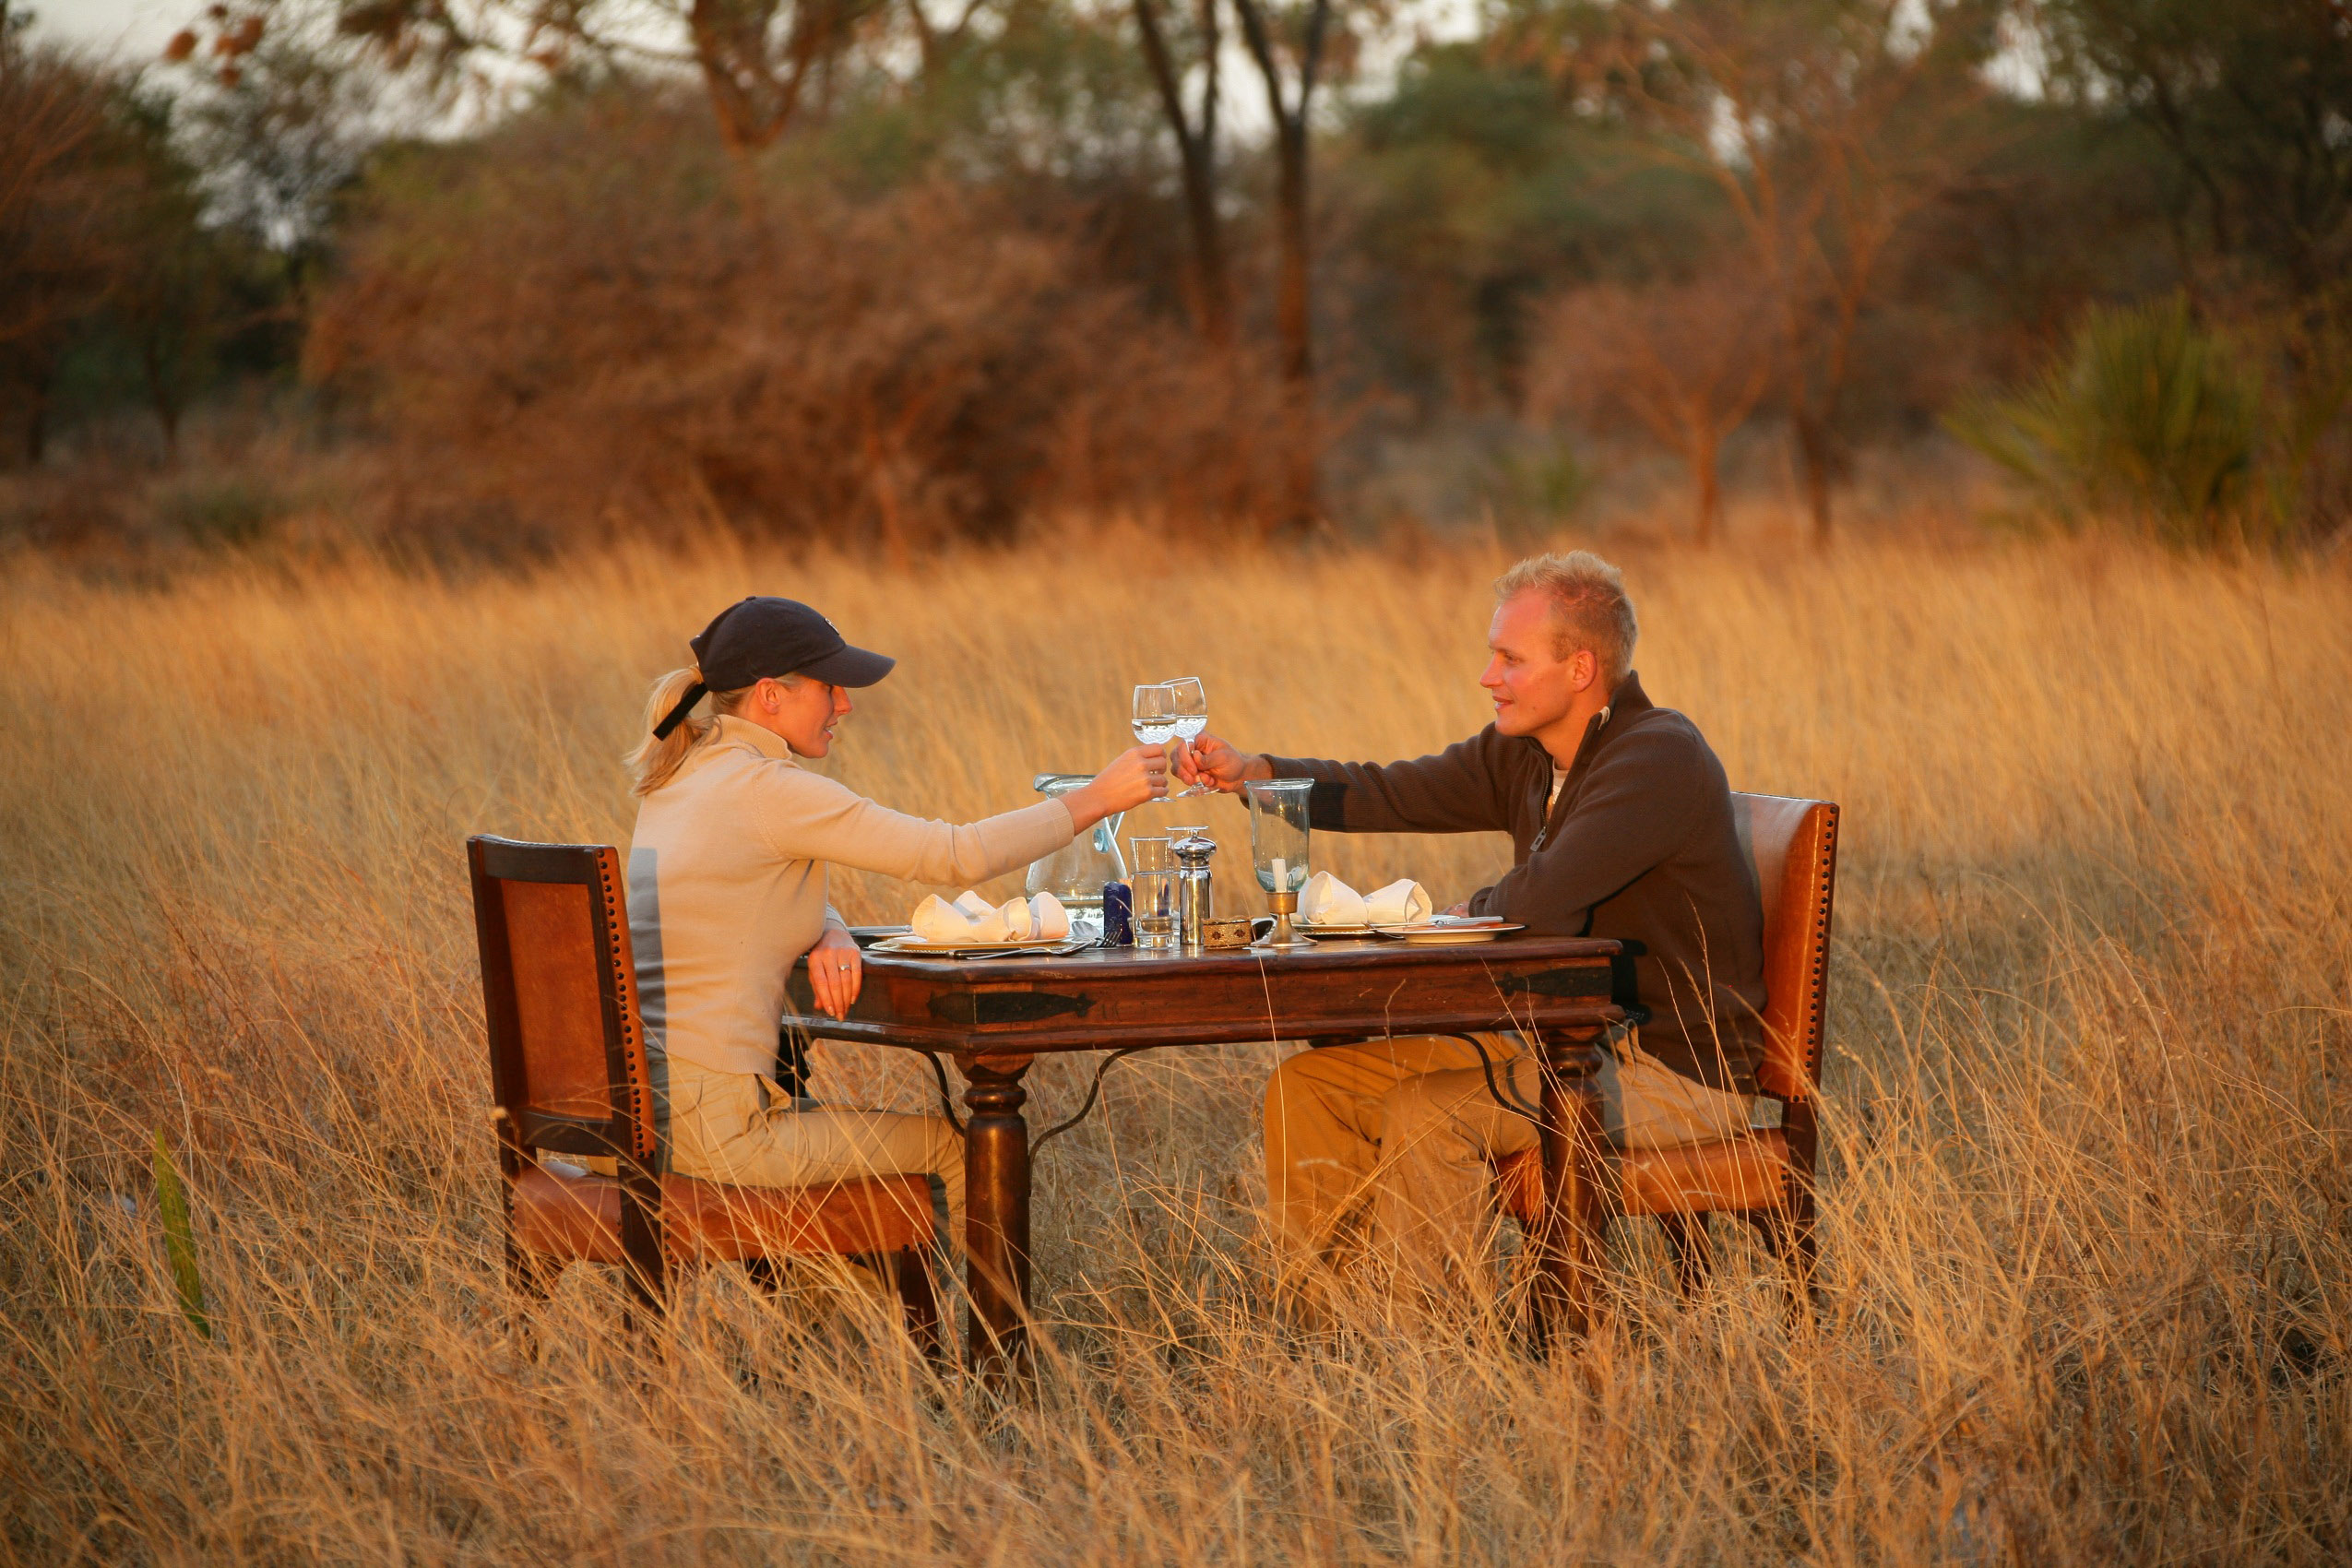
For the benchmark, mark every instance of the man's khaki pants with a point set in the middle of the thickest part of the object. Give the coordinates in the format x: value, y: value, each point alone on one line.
x: 1407, y: 1127
x: 739, y: 1127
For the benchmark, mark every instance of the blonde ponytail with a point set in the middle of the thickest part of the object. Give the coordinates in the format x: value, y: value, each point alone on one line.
x: 657, y: 757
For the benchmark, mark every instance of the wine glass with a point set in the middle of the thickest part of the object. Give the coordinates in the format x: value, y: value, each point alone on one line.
x: 1155, y: 715
x: 1191, y: 709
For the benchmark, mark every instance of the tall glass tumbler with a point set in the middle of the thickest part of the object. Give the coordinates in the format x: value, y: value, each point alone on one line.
x: 1278, y: 849
x: 1156, y: 910
x: 1155, y: 890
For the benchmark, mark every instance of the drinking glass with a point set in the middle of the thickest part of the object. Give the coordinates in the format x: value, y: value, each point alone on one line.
x: 1191, y: 711
x: 1150, y: 855
x: 1155, y: 715
x: 1154, y: 912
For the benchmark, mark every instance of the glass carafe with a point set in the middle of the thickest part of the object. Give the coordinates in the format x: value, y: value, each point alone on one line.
x: 1076, y: 872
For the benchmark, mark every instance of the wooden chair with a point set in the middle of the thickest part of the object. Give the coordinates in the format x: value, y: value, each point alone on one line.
x: 1767, y: 1175
x: 568, y: 1071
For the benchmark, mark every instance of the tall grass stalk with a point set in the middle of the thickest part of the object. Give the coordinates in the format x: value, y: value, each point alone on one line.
x: 179, y: 1238
x: 2088, y: 1216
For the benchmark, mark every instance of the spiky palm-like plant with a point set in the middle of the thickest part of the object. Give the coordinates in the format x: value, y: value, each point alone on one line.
x: 2148, y: 417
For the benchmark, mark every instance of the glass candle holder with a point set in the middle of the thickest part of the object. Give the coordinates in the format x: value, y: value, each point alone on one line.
x: 1278, y: 847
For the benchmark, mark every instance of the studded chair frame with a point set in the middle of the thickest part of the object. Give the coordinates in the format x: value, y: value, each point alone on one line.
x: 569, y: 1077
x: 1768, y: 1175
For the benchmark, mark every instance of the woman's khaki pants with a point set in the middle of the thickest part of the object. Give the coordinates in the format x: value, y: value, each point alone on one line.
x: 1407, y: 1128
x: 739, y: 1127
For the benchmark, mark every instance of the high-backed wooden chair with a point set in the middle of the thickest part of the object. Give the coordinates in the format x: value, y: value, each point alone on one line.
x: 1767, y: 1175
x: 568, y: 1071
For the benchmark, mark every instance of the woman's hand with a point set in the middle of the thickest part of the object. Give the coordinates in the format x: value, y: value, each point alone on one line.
x: 836, y: 970
x: 1211, y: 760
x: 1133, y: 777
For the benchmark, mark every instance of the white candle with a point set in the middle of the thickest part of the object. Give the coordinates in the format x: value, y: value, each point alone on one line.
x: 1281, y: 874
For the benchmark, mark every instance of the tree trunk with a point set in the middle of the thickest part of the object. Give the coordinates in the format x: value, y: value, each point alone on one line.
x: 1196, y: 151
x: 37, y: 420
x: 1707, y: 474
x: 1294, y: 325
x: 1813, y: 467
x: 1293, y: 299
x: 161, y: 396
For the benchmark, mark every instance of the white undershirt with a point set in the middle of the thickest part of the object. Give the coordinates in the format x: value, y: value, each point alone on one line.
x: 1560, y: 774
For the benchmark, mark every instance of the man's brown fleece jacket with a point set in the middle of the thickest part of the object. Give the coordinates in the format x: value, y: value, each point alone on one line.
x: 1641, y: 846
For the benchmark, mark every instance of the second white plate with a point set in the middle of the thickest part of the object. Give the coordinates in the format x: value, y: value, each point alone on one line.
x: 1446, y: 935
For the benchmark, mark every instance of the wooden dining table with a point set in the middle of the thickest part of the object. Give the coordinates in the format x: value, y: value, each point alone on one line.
x: 992, y: 1018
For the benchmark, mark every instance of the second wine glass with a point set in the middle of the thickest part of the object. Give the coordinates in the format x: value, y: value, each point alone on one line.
x: 1190, y: 708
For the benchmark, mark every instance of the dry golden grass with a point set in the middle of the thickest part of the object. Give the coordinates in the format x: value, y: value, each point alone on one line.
x: 2088, y: 1219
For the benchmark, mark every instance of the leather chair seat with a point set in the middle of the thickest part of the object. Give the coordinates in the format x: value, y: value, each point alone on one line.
x: 1737, y: 1174
x: 578, y: 1217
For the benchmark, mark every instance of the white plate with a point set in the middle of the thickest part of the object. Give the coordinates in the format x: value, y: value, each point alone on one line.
x: 945, y: 949
x: 1447, y: 935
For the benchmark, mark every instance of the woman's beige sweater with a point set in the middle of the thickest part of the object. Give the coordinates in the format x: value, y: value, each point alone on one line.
x: 726, y: 884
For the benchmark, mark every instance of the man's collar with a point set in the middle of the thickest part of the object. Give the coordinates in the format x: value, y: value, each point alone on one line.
x: 742, y: 732
x: 1623, y: 703
x: 1628, y: 697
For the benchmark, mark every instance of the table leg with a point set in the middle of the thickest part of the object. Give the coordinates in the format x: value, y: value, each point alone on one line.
x: 996, y: 1215
x: 1574, y: 1213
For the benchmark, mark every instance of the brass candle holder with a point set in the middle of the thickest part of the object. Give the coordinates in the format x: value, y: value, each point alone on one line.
x: 1284, y: 937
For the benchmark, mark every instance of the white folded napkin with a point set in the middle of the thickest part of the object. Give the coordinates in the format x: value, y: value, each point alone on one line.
x: 1327, y: 901
x: 972, y: 920
x: 1052, y: 919
x: 937, y: 920
x: 1402, y: 902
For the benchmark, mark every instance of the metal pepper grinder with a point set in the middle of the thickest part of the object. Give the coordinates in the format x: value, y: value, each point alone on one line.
x: 1195, y: 894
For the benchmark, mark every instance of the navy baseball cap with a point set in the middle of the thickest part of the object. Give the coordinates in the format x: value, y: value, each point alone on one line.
x: 762, y: 636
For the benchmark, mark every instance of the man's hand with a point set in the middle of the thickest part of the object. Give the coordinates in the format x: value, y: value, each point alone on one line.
x: 1211, y: 760
x: 836, y: 970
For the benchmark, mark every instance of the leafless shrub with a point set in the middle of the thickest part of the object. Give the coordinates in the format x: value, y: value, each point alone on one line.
x: 585, y: 322
x: 1685, y: 363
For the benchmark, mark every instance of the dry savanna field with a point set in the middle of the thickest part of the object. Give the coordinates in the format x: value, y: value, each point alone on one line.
x: 2088, y: 1216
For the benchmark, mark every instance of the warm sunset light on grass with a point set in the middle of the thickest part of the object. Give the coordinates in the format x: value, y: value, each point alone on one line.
x: 2088, y: 1220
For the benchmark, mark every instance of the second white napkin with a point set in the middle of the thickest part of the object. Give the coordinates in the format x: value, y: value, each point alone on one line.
x: 1402, y: 902
x: 1327, y: 901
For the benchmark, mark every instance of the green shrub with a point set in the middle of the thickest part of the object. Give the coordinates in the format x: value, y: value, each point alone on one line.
x: 220, y: 511
x: 2147, y: 417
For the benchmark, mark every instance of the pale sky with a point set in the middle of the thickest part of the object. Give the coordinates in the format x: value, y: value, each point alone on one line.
x: 124, y: 30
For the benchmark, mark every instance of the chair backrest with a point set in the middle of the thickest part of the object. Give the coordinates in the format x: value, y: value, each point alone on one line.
x: 567, y: 1059
x: 1795, y: 846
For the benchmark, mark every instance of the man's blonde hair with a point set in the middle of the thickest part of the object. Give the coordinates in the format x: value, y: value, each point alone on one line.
x: 1589, y: 608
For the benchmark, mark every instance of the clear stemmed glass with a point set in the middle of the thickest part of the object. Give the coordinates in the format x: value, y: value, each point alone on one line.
x: 1155, y: 715
x: 1192, y: 717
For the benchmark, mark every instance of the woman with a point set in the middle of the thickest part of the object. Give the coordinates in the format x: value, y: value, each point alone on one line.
x: 726, y: 890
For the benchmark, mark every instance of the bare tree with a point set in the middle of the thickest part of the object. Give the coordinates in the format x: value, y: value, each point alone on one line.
x: 1302, y: 40
x: 758, y: 59
x: 60, y: 233
x: 1686, y: 363
x: 1826, y: 125
x: 1196, y: 133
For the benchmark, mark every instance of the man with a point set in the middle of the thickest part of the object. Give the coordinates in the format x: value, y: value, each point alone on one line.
x: 1621, y: 825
